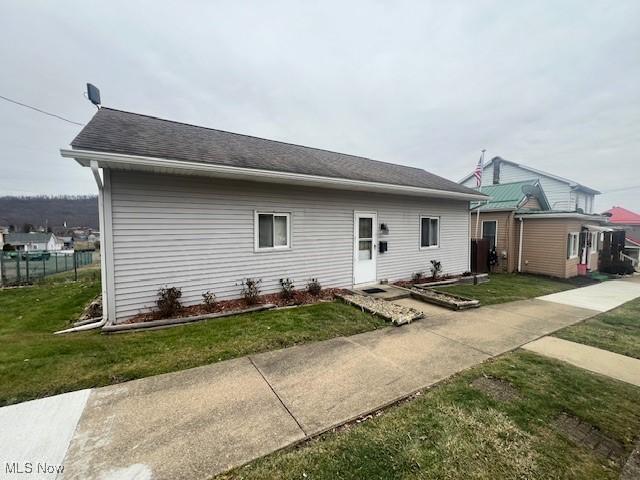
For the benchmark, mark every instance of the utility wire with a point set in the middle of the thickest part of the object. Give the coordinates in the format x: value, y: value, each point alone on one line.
x: 633, y: 187
x: 41, y: 111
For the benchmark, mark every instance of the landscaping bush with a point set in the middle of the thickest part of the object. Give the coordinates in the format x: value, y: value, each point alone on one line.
x: 467, y: 274
x: 314, y: 287
x: 417, y: 276
x: 618, y: 268
x: 168, y: 302
x: 436, y: 268
x: 286, y: 288
x: 251, y: 290
x: 209, y: 300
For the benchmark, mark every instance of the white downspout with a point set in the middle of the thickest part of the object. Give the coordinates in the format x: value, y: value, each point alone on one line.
x: 520, y: 245
x: 103, y: 264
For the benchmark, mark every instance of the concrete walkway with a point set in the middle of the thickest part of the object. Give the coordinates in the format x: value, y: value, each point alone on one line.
x: 199, y: 422
x: 600, y: 361
x: 601, y: 297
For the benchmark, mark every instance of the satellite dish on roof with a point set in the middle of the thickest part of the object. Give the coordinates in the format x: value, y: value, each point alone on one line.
x: 93, y: 94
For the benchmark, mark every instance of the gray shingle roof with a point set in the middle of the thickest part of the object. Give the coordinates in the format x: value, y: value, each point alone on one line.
x: 22, y: 238
x: 128, y: 133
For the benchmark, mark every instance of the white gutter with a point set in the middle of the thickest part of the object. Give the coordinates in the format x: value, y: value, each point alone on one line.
x: 103, y: 321
x: 134, y: 162
x: 520, y: 245
x: 575, y: 215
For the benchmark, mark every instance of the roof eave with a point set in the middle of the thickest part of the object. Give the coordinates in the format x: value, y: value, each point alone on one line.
x: 164, y: 165
x: 574, y: 215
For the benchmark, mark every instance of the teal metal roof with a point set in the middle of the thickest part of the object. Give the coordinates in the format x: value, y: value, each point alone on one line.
x: 504, y: 196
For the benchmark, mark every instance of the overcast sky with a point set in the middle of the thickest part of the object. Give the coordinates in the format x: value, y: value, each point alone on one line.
x: 551, y: 84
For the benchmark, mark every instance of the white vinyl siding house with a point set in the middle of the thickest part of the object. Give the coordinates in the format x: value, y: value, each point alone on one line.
x: 562, y: 194
x: 34, y: 241
x: 199, y: 234
x: 202, y: 209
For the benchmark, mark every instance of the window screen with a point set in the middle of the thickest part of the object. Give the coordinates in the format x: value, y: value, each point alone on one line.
x: 429, y: 232
x: 273, y: 230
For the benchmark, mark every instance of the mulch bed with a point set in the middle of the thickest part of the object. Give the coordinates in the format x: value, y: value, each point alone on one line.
x: 239, y: 304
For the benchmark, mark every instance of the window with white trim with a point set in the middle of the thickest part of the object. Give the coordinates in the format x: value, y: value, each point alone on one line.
x: 429, y: 232
x: 272, y: 230
x: 574, y: 243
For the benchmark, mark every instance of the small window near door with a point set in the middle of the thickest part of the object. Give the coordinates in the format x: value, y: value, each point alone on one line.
x: 272, y: 231
x: 365, y: 238
x: 490, y: 232
x: 429, y: 232
x: 573, y: 245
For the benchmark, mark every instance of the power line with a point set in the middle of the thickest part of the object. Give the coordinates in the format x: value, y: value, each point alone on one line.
x: 633, y: 187
x: 41, y: 111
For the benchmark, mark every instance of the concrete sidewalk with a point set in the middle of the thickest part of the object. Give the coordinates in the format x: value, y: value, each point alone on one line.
x: 199, y: 422
x: 600, y: 361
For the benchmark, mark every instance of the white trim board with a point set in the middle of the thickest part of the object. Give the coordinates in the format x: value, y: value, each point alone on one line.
x: 132, y: 162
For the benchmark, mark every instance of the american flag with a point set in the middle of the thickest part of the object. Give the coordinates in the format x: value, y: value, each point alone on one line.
x: 478, y: 171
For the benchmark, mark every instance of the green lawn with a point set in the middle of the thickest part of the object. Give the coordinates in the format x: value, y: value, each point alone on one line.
x: 617, y: 331
x: 34, y: 363
x: 509, y: 287
x: 454, y: 431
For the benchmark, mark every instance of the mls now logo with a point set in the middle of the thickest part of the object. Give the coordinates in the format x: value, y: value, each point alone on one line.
x: 29, y: 467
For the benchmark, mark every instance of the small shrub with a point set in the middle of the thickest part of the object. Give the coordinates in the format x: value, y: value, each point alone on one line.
x: 618, y: 268
x: 314, y: 287
x: 436, y: 268
x: 251, y: 290
x: 168, y: 302
x: 286, y: 288
x: 209, y: 300
x: 467, y: 274
x: 417, y: 276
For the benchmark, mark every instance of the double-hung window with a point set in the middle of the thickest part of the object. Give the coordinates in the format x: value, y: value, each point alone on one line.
x: 272, y: 230
x: 573, y: 245
x: 429, y: 232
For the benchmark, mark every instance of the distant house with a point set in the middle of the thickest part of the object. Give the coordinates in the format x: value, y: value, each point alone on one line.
x: 630, y: 222
x: 33, y: 241
x: 201, y: 209
x: 530, y: 237
x: 3, y: 231
x: 563, y: 194
x: 67, y: 242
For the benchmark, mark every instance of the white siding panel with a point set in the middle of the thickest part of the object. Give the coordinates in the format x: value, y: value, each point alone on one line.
x: 197, y: 234
x: 558, y: 193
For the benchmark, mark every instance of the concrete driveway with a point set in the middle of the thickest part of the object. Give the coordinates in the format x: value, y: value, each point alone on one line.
x: 202, y: 421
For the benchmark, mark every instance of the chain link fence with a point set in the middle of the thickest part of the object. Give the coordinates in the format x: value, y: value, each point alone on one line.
x: 18, y: 268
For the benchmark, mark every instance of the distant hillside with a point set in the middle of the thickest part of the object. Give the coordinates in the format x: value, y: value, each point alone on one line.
x: 80, y: 210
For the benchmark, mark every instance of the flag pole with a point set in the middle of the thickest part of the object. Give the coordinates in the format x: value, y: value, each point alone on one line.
x: 480, y: 190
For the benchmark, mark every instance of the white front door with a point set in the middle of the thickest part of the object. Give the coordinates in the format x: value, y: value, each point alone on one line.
x: 364, y: 248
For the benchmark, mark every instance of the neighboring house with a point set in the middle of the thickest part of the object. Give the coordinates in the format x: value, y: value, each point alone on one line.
x: 530, y: 237
x: 3, y: 232
x: 630, y: 222
x: 67, y: 243
x: 563, y: 194
x: 201, y: 209
x: 33, y: 241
